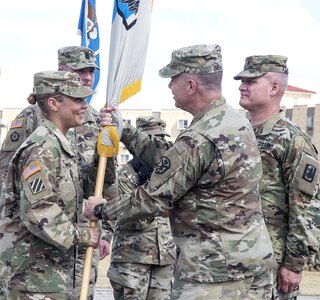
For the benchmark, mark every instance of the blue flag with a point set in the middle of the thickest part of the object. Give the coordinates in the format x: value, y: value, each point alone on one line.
x: 89, y: 31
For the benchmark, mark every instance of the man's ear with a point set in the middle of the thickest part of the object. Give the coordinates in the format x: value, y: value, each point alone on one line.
x: 274, y: 87
x: 191, y: 86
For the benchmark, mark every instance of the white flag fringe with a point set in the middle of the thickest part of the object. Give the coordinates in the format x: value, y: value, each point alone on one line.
x: 128, y: 48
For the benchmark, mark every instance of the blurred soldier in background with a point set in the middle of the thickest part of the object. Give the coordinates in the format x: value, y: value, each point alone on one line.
x: 143, y: 252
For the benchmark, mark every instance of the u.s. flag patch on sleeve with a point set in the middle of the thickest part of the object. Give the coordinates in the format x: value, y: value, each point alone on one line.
x: 31, y: 169
x: 17, y: 123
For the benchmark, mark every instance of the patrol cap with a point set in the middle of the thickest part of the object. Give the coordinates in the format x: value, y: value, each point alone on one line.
x: 259, y: 65
x: 151, y: 125
x: 66, y: 83
x: 77, y: 57
x: 197, y: 59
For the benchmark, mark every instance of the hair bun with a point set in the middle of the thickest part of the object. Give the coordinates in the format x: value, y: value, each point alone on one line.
x: 32, y: 99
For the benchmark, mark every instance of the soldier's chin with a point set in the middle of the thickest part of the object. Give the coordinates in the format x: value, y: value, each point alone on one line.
x: 80, y: 119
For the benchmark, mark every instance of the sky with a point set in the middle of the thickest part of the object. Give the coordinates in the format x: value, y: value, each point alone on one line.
x: 32, y: 31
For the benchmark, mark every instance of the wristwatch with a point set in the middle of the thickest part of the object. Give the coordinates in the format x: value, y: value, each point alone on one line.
x: 97, y: 211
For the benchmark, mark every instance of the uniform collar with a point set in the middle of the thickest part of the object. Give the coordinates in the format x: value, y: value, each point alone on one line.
x: 66, y: 145
x: 267, y: 126
x: 210, y: 106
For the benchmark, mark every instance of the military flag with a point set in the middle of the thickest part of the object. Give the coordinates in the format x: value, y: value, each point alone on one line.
x: 128, y: 48
x: 89, y: 31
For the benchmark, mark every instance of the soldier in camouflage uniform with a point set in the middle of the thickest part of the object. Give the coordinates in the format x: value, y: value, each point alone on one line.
x: 83, y: 138
x: 209, y: 182
x: 290, y: 171
x: 143, y: 252
x: 39, y: 227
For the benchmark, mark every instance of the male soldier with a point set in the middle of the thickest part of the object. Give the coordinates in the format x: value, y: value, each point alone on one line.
x: 209, y: 181
x: 290, y: 170
x: 84, y: 138
x: 143, y: 252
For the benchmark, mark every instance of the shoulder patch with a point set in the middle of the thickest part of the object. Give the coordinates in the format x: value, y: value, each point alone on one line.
x: 37, y: 185
x: 14, y: 136
x: 163, y: 165
x: 309, y: 172
x: 31, y: 169
x: 17, y: 123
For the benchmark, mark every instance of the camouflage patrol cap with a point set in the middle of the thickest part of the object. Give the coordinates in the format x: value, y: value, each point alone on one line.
x: 66, y: 83
x: 259, y: 65
x: 77, y: 57
x: 151, y: 125
x: 197, y: 59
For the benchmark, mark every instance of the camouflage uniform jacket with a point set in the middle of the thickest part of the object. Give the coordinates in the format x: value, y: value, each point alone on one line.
x: 289, y: 182
x: 83, y: 139
x: 209, y: 180
x: 40, y: 230
x: 147, y: 241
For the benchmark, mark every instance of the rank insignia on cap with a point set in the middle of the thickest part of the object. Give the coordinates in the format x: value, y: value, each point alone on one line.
x: 37, y: 185
x: 31, y: 169
x: 14, y: 136
x: 163, y: 165
x: 309, y: 172
x: 17, y: 123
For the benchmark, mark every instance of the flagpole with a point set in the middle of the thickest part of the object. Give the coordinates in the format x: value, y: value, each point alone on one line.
x: 89, y: 252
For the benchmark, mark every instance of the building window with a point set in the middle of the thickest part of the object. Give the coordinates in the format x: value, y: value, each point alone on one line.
x: 182, y: 124
x: 310, y: 121
x: 124, y: 158
x: 128, y: 121
x: 289, y: 114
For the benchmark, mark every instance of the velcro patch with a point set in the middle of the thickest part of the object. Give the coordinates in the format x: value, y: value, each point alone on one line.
x: 163, y: 165
x: 306, y: 176
x: 17, y: 123
x: 31, y: 169
x: 14, y: 136
x: 36, y: 185
x: 309, y: 172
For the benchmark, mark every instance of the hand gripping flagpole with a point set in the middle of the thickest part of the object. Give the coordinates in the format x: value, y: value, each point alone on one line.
x: 107, y: 146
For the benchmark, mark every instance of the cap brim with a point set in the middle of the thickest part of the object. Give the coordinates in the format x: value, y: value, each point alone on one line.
x: 81, y: 92
x: 168, y: 72
x: 247, y: 74
x: 156, y: 132
x: 82, y: 66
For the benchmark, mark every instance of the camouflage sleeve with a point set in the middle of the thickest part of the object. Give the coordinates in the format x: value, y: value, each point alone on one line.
x: 301, y: 175
x: 147, y: 147
x: 175, y: 174
x: 42, y: 208
x: 128, y: 179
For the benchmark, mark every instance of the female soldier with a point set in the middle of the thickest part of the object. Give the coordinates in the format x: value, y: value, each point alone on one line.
x: 39, y: 232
